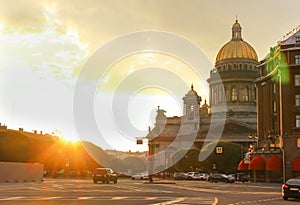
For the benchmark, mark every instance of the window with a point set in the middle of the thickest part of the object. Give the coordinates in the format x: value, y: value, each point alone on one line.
x: 297, y: 39
x: 298, y: 121
x: 234, y: 94
x: 297, y: 80
x: 245, y: 94
x: 274, y: 88
x: 297, y: 100
x: 298, y: 142
x: 245, y: 67
x: 191, y: 112
x: 297, y: 59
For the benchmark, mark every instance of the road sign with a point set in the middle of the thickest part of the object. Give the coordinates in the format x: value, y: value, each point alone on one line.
x: 247, y: 160
x: 219, y: 150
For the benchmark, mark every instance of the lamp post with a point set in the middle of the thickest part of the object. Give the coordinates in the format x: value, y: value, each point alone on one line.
x: 273, y: 136
x: 150, y: 152
x: 253, y: 138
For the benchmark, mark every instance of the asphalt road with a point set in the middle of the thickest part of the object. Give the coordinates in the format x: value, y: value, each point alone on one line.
x: 131, y: 192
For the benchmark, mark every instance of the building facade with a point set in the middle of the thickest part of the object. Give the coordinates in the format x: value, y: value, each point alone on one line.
x: 278, y: 108
x: 231, y: 115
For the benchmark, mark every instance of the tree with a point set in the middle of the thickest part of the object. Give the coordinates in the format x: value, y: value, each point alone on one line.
x: 188, y: 160
x: 225, y: 162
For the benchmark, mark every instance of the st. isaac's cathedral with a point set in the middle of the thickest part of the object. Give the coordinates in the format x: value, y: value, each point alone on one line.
x: 231, y: 113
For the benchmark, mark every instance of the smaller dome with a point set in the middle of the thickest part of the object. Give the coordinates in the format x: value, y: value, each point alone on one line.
x: 205, y: 105
x: 192, y: 91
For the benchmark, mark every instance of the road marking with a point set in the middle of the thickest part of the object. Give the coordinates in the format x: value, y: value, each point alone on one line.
x: 119, y: 198
x: 216, y: 201
x: 150, y: 198
x: 85, y: 197
x: 171, y: 202
x: 256, y: 201
x: 50, y: 198
x: 11, y: 198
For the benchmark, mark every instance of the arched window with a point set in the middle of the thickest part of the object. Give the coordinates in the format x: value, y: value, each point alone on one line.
x: 245, y: 66
x: 234, y: 94
x: 245, y: 94
x: 229, y: 66
x: 191, y: 112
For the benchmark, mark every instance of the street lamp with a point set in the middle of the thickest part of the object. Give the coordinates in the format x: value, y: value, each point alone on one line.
x: 253, y: 138
x: 273, y: 136
x: 150, y: 152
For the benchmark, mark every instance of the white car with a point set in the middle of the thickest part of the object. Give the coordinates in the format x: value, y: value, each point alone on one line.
x: 193, y: 176
x: 139, y: 176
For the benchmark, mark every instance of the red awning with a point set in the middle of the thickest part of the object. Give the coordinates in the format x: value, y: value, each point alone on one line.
x: 296, y: 164
x: 257, y: 163
x: 274, y: 163
x: 242, y: 166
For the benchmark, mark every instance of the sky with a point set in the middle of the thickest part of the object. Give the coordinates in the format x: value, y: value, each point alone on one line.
x: 96, y: 70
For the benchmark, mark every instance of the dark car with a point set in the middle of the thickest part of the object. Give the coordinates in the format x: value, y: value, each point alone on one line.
x: 242, y: 177
x: 218, y: 178
x: 105, y: 175
x: 291, y: 189
x: 180, y: 176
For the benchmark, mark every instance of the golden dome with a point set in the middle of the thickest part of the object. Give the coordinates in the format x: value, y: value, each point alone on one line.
x: 236, y: 47
x: 205, y: 105
x: 192, y: 91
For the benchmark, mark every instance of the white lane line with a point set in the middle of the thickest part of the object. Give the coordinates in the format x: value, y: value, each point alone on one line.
x: 171, y: 202
x: 119, y: 198
x: 50, y: 198
x: 11, y: 198
x: 85, y: 197
x: 256, y: 201
x: 150, y: 198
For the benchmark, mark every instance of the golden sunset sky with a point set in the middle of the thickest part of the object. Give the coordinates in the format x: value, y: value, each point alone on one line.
x: 45, y: 45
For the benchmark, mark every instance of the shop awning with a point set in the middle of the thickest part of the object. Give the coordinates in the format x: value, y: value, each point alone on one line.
x: 274, y: 163
x: 296, y: 164
x: 257, y: 163
x: 242, y: 166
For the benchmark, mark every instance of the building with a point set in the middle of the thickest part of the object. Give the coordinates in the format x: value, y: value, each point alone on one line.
x: 278, y: 107
x: 231, y: 115
x: 232, y: 81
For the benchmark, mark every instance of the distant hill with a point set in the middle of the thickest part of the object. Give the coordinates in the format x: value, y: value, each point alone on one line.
x: 57, y: 154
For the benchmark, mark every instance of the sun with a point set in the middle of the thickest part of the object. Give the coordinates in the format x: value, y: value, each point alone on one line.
x: 70, y: 139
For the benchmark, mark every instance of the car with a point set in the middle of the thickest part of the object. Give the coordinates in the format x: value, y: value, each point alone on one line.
x: 242, y: 177
x: 291, y: 189
x: 180, y: 176
x: 140, y: 176
x: 231, y: 178
x: 105, y: 175
x: 203, y: 176
x: 219, y: 178
x: 193, y: 176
